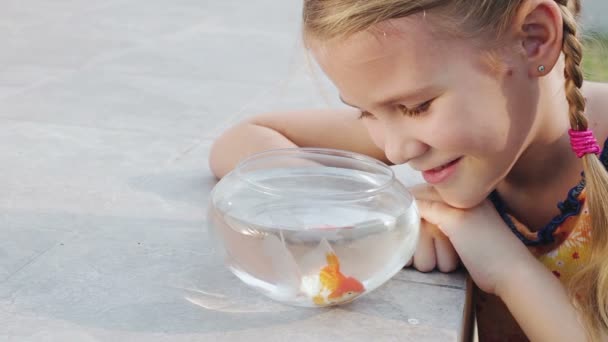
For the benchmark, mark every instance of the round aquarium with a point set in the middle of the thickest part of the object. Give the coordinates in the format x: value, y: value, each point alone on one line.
x: 314, y: 227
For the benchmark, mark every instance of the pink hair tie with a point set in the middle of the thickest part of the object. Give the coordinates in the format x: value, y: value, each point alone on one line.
x: 583, y: 143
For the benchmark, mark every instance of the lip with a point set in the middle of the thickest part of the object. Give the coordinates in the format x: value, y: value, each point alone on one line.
x: 442, y: 173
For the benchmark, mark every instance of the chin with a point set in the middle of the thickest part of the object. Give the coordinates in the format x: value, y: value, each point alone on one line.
x: 462, y: 199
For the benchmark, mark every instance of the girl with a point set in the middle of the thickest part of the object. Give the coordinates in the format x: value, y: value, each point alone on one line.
x: 486, y: 99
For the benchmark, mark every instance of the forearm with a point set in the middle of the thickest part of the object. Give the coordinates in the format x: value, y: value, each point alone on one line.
x: 540, y: 304
x: 240, y: 142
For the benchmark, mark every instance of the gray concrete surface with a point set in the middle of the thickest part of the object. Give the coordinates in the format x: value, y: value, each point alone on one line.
x: 107, y: 114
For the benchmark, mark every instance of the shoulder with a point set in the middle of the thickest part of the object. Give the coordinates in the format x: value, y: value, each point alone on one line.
x: 597, y: 108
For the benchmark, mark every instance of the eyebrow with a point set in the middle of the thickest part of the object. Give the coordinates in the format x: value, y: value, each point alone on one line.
x: 416, y: 94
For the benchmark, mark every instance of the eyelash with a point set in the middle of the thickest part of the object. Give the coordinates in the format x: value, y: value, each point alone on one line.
x: 421, y: 109
x: 366, y: 115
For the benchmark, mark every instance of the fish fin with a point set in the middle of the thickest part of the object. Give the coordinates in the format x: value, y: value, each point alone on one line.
x: 332, y: 260
x: 329, y: 278
x: 319, y: 300
x: 316, y: 258
x: 286, y: 272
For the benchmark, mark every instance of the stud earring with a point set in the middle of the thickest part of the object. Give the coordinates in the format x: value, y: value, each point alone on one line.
x: 541, y: 68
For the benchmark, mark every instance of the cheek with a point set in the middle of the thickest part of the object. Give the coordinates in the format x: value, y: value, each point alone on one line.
x: 489, y: 116
x: 376, y: 132
x: 466, y: 124
x: 523, y: 103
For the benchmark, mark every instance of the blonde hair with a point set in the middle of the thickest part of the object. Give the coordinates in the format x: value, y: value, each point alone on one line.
x: 329, y: 19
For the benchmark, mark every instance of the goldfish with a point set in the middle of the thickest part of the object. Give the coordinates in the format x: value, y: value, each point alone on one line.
x: 330, y: 286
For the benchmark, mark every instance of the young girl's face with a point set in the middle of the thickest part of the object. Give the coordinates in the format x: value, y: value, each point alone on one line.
x: 442, y: 106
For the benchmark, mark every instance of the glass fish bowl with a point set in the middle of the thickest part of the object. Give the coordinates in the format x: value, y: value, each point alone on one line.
x: 313, y: 227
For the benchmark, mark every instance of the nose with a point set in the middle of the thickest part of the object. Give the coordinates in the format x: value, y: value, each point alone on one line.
x: 400, y: 149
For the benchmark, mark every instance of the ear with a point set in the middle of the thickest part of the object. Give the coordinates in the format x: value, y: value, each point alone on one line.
x: 540, y: 30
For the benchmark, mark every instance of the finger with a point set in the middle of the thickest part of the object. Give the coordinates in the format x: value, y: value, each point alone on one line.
x: 447, y: 258
x: 424, y: 256
x: 439, y: 214
x: 410, y: 263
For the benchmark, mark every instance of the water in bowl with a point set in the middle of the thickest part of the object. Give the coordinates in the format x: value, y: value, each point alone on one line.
x: 314, y: 251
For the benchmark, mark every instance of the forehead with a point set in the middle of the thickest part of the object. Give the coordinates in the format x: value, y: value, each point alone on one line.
x: 400, y: 53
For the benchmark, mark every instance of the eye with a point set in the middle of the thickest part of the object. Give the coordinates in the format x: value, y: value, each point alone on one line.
x: 366, y: 115
x: 418, y: 110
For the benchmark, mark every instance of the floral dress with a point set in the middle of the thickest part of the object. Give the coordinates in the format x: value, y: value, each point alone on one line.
x: 563, y: 246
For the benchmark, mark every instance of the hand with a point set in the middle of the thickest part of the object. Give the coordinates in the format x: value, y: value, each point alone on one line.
x: 486, y: 246
x: 434, y: 250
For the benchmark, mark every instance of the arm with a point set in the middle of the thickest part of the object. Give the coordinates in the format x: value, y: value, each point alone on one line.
x: 541, y: 306
x: 339, y: 129
x: 501, y: 264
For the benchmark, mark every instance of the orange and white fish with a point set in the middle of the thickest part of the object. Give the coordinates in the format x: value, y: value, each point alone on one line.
x: 330, y: 286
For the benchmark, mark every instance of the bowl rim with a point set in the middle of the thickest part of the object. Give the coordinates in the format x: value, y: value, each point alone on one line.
x: 342, y: 154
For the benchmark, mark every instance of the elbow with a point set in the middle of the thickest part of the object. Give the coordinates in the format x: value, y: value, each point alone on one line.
x: 216, y: 163
x: 227, y: 150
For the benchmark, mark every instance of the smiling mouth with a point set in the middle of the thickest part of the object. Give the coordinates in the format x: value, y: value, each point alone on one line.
x: 445, y: 166
x: 442, y: 173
